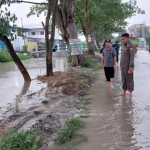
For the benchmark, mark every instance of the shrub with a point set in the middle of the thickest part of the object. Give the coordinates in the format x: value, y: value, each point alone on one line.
x: 69, y: 58
x: 5, y: 56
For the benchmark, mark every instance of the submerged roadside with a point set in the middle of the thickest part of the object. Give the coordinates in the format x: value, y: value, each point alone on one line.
x: 53, y: 113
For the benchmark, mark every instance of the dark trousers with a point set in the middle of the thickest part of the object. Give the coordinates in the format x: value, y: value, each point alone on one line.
x: 127, y: 80
x: 117, y: 55
x: 109, y: 73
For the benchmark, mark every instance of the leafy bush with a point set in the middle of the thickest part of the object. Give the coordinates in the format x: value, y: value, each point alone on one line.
x: 90, y: 63
x: 5, y: 56
x: 69, y: 58
x: 20, y: 141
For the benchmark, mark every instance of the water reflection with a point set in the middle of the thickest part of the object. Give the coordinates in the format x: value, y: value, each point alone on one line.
x: 12, y: 82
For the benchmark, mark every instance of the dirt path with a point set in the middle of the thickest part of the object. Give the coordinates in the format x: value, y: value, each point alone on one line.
x: 116, y: 123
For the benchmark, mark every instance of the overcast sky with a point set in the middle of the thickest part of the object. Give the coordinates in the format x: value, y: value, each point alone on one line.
x: 21, y: 10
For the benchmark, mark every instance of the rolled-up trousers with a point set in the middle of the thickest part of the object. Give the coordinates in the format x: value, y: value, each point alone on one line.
x: 127, y: 80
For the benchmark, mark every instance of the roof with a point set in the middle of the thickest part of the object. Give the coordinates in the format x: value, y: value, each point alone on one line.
x: 33, y: 26
x: 137, y: 26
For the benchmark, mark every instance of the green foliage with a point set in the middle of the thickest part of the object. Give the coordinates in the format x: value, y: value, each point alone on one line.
x: 104, y: 17
x: 90, y: 63
x: 5, y: 56
x: 67, y: 132
x: 25, y: 48
x: 20, y: 141
x: 69, y: 58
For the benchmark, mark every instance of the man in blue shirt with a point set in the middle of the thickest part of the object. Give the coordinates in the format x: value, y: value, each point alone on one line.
x: 109, y: 62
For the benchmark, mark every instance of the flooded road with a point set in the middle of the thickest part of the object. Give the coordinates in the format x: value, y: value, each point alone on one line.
x: 12, y: 83
x: 116, y: 123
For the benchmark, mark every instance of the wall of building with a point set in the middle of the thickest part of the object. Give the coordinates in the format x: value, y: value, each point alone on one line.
x: 30, y: 45
x: 18, y: 43
x: 39, y: 33
x: 2, y: 46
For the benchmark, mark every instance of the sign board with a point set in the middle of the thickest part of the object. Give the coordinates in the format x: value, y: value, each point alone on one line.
x: 89, y: 38
x: 75, y: 47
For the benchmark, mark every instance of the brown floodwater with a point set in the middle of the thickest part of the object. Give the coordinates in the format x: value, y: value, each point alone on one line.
x: 116, y: 123
x: 13, y: 85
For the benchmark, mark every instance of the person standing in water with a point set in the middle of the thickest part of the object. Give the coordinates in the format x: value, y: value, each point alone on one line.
x: 127, y: 66
x: 109, y: 62
x: 116, y: 46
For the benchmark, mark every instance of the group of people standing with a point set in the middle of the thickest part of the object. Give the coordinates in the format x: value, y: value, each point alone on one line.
x: 110, y: 59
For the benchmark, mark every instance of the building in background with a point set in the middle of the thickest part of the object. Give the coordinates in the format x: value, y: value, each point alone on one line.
x: 138, y: 33
x: 35, y: 37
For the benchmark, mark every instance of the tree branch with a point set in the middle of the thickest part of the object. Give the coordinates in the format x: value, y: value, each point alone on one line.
x: 22, y: 1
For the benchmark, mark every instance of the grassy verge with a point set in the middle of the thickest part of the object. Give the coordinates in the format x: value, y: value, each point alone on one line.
x: 5, y: 56
x: 89, y: 62
x: 69, y: 130
x: 28, y: 140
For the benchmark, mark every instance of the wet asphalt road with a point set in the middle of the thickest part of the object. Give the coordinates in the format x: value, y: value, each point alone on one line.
x: 116, y: 123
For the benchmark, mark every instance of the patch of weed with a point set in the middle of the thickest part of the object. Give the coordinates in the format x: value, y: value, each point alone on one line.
x: 68, y: 131
x: 25, y: 140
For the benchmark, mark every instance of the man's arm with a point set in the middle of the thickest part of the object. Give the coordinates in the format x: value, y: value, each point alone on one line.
x: 132, y: 51
x: 102, y: 62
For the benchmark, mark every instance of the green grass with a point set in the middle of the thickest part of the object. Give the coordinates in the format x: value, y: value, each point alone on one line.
x: 91, y: 63
x: 69, y: 58
x: 5, y: 56
x: 86, y: 100
x: 25, y: 140
x: 68, y: 131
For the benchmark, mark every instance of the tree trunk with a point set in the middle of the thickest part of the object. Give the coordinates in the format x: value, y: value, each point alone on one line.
x: 49, y: 70
x: 97, y: 42
x: 51, y: 41
x: 15, y: 58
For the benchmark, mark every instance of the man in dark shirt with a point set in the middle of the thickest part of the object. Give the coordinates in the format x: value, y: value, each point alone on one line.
x: 116, y: 46
x: 109, y: 62
x: 127, y: 66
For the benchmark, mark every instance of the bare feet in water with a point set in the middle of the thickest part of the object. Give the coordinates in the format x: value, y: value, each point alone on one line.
x: 123, y: 93
x: 129, y: 96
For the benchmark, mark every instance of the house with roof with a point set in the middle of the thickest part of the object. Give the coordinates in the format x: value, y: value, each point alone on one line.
x: 35, y: 37
x: 134, y: 30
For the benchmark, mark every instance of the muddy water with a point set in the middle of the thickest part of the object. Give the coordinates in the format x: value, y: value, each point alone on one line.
x: 115, y: 122
x: 12, y: 83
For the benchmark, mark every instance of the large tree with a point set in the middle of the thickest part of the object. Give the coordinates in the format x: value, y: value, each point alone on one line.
x: 65, y: 21
x: 103, y: 17
x: 11, y: 31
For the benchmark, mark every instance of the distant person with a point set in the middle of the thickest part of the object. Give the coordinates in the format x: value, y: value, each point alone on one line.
x: 109, y: 62
x: 103, y: 47
x: 149, y: 48
x: 116, y: 46
x: 127, y: 66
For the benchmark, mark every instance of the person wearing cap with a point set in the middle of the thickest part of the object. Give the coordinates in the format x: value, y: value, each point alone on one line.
x: 127, y: 66
x: 109, y: 62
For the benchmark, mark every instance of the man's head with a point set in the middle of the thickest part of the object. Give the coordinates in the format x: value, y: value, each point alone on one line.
x: 125, y: 38
x: 117, y: 42
x: 108, y: 43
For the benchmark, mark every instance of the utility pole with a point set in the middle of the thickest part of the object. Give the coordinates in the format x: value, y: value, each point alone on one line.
x: 143, y: 30
x: 22, y: 28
